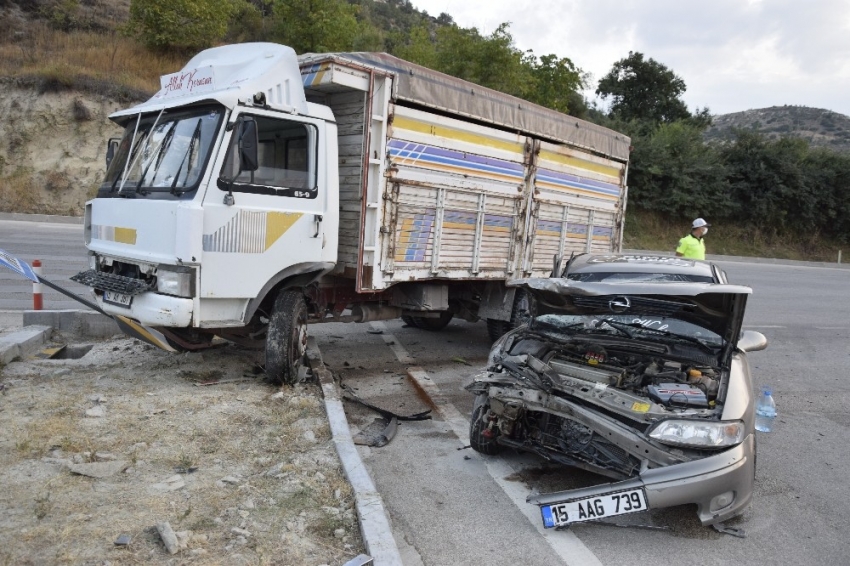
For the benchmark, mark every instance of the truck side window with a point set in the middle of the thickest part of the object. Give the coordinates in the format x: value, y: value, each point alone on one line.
x: 287, y: 161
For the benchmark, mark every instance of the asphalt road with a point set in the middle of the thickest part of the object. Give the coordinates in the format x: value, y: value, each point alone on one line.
x: 449, y: 505
x: 62, y: 252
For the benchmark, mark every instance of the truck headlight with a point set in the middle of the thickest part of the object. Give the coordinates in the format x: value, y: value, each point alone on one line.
x: 174, y: 280
x: 698, y: 434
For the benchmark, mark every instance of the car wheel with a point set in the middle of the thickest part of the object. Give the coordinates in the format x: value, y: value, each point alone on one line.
x: 480, y: 438
x: 286, y: 340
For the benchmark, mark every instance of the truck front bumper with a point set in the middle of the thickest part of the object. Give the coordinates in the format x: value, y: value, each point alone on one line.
x: 154, y: 309
x: 721, y: 486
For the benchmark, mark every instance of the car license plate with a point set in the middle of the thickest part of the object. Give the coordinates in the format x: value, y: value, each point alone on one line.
x: 118, y: 299
x: 592, y: 508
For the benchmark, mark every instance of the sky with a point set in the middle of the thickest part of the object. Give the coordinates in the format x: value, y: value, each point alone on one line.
x: 733, y: 55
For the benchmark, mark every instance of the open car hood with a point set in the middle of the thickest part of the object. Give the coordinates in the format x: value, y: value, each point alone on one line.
x: 715, y: 307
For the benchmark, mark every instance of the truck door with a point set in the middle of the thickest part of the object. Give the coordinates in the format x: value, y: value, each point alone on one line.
x: 577, y: 206
x: 269, y: 223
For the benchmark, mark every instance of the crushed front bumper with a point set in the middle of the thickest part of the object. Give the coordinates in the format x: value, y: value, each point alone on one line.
x: 155, y: 310
x: 721, y: 486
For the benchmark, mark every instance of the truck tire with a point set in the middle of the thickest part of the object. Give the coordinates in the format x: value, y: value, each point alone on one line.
x: 479, y: 442
x: 286, y: 340
x: 427, y: 323
x: 498, y: 328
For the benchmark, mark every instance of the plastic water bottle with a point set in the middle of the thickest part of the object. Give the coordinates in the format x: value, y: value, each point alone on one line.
x: 765, y: 410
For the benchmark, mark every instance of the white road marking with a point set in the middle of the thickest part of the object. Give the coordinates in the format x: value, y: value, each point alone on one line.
x: 564, y: 543
x: 393, y: 343
x: 762, y: 326
x: 831, y: 327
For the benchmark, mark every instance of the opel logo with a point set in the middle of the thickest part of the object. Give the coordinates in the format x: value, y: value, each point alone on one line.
x: 619, y: 304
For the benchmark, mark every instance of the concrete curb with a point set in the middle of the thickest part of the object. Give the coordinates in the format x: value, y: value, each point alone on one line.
x: 87, y: 324
x: 374, y: 521
x: 20, y: 217
x: 21, y: 342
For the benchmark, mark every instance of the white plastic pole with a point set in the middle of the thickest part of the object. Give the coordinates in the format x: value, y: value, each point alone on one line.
x: 37, y: 288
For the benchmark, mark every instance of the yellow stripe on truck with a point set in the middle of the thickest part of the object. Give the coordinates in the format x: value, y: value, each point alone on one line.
x: 277, y: 223
x: 400, y: 122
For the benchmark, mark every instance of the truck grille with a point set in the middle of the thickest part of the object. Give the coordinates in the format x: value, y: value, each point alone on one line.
x: 111, y: 282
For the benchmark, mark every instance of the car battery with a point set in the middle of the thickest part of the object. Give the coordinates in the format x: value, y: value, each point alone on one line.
x: 677, y: 395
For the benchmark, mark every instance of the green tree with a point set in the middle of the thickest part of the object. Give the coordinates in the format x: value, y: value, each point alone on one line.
x: 316, y: 26
x: 418, y: 48
x: 644, y: 89
x: 557, y: 85
x: 674, y: 172
x: 769, y: 183
x: 185, y: 25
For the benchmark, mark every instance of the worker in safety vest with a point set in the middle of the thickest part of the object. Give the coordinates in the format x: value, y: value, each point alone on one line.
x: 692, y: 246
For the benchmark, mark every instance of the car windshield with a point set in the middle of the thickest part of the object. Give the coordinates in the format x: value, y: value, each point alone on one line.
x: 644, y: 327
x: 168, y: 154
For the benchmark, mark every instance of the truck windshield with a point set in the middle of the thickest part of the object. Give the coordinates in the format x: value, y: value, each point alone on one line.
x: 168, y: 155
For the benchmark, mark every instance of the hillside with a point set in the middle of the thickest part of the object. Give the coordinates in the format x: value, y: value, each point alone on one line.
x: 821, y: 128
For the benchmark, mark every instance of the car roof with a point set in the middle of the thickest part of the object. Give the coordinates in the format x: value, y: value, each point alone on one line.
x: 621, y: 263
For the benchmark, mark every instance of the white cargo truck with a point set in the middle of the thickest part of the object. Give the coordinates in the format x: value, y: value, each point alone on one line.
x: 258, y: 191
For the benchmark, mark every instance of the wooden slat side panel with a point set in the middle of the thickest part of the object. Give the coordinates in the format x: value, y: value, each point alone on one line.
x: 349, y: 110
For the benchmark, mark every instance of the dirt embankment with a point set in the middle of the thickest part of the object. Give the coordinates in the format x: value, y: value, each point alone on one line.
x: 97, y: 452
x: 52, y: 154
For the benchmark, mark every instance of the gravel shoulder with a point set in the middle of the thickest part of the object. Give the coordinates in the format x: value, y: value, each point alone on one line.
x: 97, y: 452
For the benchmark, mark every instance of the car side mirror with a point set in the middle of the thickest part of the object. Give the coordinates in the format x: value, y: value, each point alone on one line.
x: 248, y: 145
x: 752, y: 341
x: 111, y: 148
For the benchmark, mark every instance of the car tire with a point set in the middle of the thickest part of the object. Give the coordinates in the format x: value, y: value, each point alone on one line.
x: 477, y: 426
x: 286, y: 340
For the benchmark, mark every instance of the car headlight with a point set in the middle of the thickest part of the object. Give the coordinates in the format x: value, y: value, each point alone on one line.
x: 177, y: 281
x: 697, y: 434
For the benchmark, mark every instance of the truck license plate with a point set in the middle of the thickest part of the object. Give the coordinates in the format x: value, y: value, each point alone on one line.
x: 118, y: 299
x: 592, y: 508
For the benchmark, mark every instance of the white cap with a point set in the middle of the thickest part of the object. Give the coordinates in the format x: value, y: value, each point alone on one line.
x: 699, y: 223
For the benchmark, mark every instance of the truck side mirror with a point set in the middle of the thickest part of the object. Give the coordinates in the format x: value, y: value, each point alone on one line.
x: 248, y: 145
x: 111, y: 148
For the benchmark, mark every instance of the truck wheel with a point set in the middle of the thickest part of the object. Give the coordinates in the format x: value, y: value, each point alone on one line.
x: 477, y: 427
x: 432, y: 324
x: 286, y: 340
x: 498, y: 328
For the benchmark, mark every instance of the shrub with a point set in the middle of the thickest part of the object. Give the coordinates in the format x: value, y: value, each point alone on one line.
x: 185, y: 25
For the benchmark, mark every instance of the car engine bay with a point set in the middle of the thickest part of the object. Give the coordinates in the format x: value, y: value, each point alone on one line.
x: 587, y: 402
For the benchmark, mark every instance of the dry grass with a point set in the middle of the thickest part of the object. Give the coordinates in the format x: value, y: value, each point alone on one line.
x: 657, y: 232
x: 62, y: 59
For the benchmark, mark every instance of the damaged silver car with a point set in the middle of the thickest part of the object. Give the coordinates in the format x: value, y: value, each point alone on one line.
x: 634, y: 368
